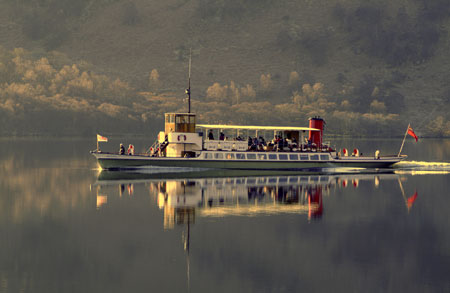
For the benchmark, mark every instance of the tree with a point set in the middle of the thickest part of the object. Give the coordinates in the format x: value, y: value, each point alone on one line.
x: 266, y: 82
x: 154, y: 82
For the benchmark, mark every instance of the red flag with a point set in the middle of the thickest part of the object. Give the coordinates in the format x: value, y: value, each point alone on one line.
x: 410, y: 201
x: 411, y: 132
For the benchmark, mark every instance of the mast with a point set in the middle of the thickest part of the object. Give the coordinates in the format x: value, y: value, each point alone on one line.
x: 188, y: 90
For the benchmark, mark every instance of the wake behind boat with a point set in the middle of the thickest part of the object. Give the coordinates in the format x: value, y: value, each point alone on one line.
x: 183, y: 143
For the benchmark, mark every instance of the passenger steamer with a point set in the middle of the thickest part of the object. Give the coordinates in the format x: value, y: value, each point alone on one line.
x: 183, y: 143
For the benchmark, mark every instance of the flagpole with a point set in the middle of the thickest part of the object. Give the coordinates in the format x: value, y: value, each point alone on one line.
x: 404, y: 138
x: 403, y: 192
x: 401, y: 188
x: 97, y: 145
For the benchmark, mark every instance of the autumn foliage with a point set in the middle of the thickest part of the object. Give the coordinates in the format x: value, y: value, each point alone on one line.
x: 52, y: 95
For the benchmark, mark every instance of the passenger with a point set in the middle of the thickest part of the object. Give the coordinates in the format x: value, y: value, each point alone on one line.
x: 280, y: 144
x: 250, y: 141
x: 122, y: 149
x: 222, y: 136
x: 262, y: 141
x: 309, y: 145
x: 211, y: 135
x: 260, y: 146
x: 130, y: 150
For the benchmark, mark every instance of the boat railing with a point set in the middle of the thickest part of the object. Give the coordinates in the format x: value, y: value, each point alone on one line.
x: 153, y: 148
x: 243, y: 145
x: 226, y: 145
x: 156, y: 148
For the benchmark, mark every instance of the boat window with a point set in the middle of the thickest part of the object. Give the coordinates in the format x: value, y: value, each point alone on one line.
x: 230, y: 156
x: 314, y: 157
x: 293, y: 157
x: 293, y: 179
x: 170, y: 118
x: 262, y: 180
x: 314, y: 179
x: 324, y: 157
x: 283, y: 156
x: 191, y: 119
x: 251, y: 156
x: 272, y: 156
x: 240, y: 156
x: 304, y: 157
x: 272, y: 180
x: 208, y: 156
x: 304, y: 179
x: 283, y: 180
x: 324, y: 179
x: 251, y: 181
x: 218, y: 156
x: 262, y: 157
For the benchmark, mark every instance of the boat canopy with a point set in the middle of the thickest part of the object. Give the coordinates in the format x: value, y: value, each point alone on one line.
x: 249, y: 127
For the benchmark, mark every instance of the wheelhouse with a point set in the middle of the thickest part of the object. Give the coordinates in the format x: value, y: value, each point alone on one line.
x: 179, y: 122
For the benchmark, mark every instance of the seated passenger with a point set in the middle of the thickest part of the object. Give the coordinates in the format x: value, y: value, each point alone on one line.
x: 222, y: 136
x: 121, y: 149
x: 210, y: 135
x: 261, y: 139
x: 280, y: 144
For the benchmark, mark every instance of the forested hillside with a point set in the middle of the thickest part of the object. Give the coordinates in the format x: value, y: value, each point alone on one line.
x: 115, y: 66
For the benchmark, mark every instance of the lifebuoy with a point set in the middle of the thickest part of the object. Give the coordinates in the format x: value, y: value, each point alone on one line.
x: 345, y: 152
x: 181, y: 136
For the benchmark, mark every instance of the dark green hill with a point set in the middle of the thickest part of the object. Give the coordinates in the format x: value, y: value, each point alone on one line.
x: 380, y: 62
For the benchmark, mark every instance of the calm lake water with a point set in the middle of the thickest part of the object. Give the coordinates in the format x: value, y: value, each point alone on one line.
x: 66, y: 227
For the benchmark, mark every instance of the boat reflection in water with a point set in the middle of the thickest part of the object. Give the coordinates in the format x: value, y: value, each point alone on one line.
x: 183, y: 199
x: 222, y: 197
